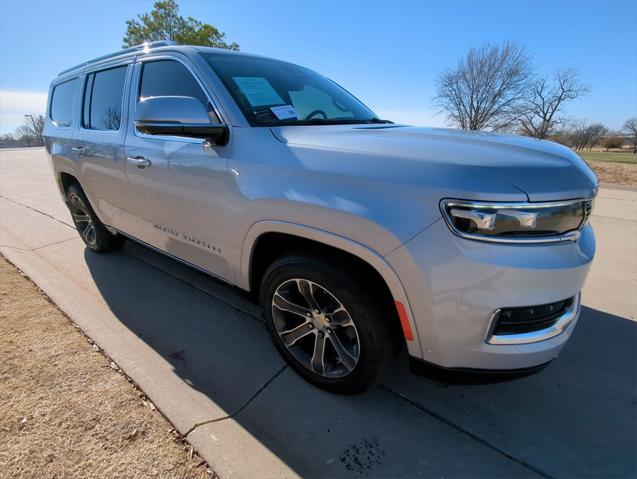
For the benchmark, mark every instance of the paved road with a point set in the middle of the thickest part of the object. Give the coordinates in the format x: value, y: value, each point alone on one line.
x: 199, y: 351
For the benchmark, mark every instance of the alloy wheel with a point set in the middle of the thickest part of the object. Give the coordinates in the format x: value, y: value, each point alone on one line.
x: 82, y: 220
x: 315, y: 328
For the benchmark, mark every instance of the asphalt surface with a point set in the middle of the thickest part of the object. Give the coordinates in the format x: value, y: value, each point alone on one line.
x: 198, y: 349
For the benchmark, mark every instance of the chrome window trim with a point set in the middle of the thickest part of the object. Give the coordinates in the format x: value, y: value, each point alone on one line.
x: 565, y: 237
x: 136, y: 88
x: 556, y: 329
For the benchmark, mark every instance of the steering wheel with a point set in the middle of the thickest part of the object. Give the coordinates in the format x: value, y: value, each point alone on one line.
x: 314, y: 113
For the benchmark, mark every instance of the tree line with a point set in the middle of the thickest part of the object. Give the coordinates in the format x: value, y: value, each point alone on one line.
x: 27, y: 134
x: 495, y: 87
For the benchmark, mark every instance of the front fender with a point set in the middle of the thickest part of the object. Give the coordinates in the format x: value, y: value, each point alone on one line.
x: 359, y: 250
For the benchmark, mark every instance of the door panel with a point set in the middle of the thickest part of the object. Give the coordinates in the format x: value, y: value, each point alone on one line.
x: 99, y: 144
x: 177, y: 202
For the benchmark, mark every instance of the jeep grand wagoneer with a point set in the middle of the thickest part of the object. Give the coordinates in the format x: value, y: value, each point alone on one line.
x: 358, y: 236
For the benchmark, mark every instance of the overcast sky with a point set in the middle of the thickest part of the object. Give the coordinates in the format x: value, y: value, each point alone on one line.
x: 387, y: 53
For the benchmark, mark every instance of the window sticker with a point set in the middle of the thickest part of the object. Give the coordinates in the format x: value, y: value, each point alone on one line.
x: 284, y: 112
x: 258, y: 91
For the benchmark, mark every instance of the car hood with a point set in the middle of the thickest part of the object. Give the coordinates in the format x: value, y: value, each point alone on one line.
x: 543, y: 170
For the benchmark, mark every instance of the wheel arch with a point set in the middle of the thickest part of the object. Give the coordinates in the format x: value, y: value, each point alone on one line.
x: 301, y: 235
x: 65, y: 180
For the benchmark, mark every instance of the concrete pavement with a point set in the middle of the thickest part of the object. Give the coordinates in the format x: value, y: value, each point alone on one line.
x: 197, y: 348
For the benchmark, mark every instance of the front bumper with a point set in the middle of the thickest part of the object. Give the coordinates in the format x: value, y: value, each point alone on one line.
x: 455, y: 286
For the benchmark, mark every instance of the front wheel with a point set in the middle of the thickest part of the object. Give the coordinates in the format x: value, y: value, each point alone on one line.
x: 330, y: 329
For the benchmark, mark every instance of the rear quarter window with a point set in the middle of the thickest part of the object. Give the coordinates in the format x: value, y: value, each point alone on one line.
x: 62, y: 98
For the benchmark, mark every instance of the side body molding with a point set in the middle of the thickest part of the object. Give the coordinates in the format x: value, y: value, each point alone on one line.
x: 357, y: 249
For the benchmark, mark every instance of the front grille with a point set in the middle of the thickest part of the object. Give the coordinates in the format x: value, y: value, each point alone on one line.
x: 529, y: 318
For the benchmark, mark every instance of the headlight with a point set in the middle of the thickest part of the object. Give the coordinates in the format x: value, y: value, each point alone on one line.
x: 517, y: 222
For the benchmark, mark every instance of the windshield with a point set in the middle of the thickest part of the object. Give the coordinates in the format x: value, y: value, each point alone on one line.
x: 272, y: 93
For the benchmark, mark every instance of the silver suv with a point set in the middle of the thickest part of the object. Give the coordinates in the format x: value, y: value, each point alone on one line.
x: 359, y: 237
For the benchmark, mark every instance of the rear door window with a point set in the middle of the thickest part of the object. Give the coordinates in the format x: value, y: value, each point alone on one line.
x: 103, y: 99
x: 62, y: 99
x: 171, y: 78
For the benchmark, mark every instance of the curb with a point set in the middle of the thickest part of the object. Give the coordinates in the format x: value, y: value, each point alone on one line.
x: 238, y: 454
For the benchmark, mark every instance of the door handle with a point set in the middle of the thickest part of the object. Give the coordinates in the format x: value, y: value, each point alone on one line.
x: 140, y: 161
x: 79, y: 149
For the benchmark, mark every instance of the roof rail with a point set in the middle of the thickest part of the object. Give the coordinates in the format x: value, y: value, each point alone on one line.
x: 137, y: 48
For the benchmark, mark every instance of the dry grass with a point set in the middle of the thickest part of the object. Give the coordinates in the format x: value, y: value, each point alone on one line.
x: 65, y: 412
x: 617, y: 173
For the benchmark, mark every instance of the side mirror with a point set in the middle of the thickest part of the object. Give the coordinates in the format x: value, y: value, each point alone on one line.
x: 179, y: 116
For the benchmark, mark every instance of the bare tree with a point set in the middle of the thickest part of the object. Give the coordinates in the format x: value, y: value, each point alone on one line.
x: 563, y: 135
x: 548, y: 96
x: 24, y: 136
x: 585, y: 136
x: 487, y: 88
x: 7, y: 141
x: 612, y: 140
x: 32, y: 128
x: 630, y: 129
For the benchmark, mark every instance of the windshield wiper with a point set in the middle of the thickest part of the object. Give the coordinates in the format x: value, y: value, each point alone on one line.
x: 380, y: 121
x: 340, y: 121
x: 321, y: 121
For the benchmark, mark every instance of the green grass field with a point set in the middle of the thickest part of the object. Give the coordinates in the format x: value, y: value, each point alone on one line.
x: 614, y: 156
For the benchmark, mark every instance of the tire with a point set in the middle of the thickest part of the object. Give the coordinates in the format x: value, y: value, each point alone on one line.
x: 94, y: 234
x: 351, y: 329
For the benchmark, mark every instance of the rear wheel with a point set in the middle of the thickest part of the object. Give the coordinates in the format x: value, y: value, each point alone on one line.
x: 329, y: 329
x: 94, y: 234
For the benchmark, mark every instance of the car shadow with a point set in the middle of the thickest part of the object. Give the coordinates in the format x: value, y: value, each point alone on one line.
x: 575, y: 418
